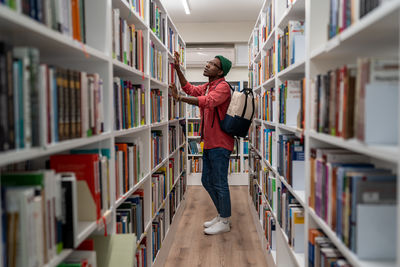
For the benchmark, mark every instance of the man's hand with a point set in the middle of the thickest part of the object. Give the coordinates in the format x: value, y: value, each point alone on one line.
x: 174, y: 91
x: 176, y: 60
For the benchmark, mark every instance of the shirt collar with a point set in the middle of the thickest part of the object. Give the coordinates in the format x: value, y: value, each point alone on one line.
x: 216, y: 81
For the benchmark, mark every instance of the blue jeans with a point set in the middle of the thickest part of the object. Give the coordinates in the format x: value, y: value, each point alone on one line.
x: 215, y: 178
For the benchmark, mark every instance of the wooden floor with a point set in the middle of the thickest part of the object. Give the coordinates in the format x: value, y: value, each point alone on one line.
x: 239, y: 248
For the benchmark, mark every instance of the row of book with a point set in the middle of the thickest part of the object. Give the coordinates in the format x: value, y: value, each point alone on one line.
x: 173, y: 144
x: 268, y: 63
x: 322, y: 252
x: 182, y: 159
x: 171, y: 73
x: 157, y: 147
x: 182, y: 51
x: 267, y: 22
x: 171, y: 175
x: 258, y: 74
x: 270, y: 146
x: 158, y: 232
x: 291, y: 45
x: 256, y: 44
x: 345, y: 101
x: 156, y: 111
x: 291, y: 164
x: 173, y: 108
x: 141, y: 254
x: 130, y: 215
x: 245, y: 146
x: 267, y: 109
x: 171, y: 40
x: 234, y: 165
x: 343, y: 14
x: 37, y: 226
x: 257, y: 137
x: 157, y: 20
x: 127, y: 42
x: 193, y: 111
x: 195, y: 147
x: 66, y: 17
x: 159, y: 189
x: 195, y: 164
x: 72, y: 101
x: 137, y: 6
x: 176, y: 197
x: 128, y: 166
x: 345, y: 189
x: 156, y: 62
x: 129, y: 104
x: 193, y: 128
x: 292, y: 103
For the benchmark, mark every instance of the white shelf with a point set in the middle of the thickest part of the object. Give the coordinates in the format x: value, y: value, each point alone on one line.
x: 297, y: 131
x: 23, y: 30
x: 295, y: 12
x: 350, y: 256
x: 157, y: 42
x: 195, y: 155
x: 59, y: 258
x: 193, y: 118
x: 124, y: 70
x: 159, y: 165
x: 257, y: 90
x: 13, y: 156
x: 131, y: 191
x: 294, y: 71
x: 387, y: 153
x: 257, y: 58
x: 194, y: 137
x: 380, y: 21
x: 269, y: 83
x: 176, y: 150
x: 129, y: 14
x: 270, y: 123
x: 270, y: 40
x: 158, y: 124
x: 297, y: 257
x: 131, y: 130
x: 155, y: 83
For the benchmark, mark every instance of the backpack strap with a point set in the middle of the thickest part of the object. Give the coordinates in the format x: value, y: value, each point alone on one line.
x: 216, y: 108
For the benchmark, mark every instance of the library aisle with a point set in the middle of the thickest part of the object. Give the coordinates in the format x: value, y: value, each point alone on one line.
x: 239, y: 247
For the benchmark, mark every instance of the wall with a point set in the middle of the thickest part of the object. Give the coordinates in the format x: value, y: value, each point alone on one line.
x: 226, y: 32
x: 235, y: 74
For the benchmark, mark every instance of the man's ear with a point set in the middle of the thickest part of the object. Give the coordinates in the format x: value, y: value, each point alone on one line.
x: 221, y: 73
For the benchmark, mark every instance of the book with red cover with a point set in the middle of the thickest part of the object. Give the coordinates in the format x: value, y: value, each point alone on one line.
x: 85, y: 167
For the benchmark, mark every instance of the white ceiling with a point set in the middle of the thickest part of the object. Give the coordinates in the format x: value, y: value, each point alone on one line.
x: 214, y: 10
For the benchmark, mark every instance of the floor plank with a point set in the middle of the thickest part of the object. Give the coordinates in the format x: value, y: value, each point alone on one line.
x: 238, y: 248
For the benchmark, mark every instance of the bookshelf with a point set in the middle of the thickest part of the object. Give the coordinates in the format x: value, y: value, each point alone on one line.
x: 238, y: 167
x: 133, y: 70
x: 375, y: 34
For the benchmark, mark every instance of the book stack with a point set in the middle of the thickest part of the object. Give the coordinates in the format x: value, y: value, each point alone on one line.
x: 258, y: 137
x: 72, y: 101
x: 157, y: 21
x: 173, y: 108
x: 141, y: 254
x: 269, y: 225
x: 66, y: 17
x: 182, y: 53
x: 127, y: 43
x: 171, y: 40
x: 256, y: 42
x: 171, y: 169
x: 172, y: 138
x: 158, y: 232
x: 137, y: 6
x: 159, y: 188
x: 156, y: 63
x: 341, y: 183
x: 171, y: 73
x: 269, y: 186
x: 269, y: 64
x: 270, y: 148
x: 157, y: 147
x: 195, y: 165
x: 268, y: 105
x: 291, y: 45
x: 195, y: 147
x: 234, y: 165
x: 251, y: 77
x: 267, y: 21
x: 322, y: 252
x: 193, y: 111
x: 129, y: 104
x: 292, y: 103
x: 130, y: 215
x: 128, y: 167
x: 182, y: 159
x: 345, y: 101
x: 245, y: 146
x: 291, y: 160
x: 156, y: 100
x: 291, y: 219
x: 182, y: 110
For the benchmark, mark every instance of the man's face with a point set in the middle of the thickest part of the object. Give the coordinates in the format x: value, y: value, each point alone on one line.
x: 213, y: 68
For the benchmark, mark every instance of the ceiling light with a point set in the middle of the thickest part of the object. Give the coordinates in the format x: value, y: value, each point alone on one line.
x: 186, y: 6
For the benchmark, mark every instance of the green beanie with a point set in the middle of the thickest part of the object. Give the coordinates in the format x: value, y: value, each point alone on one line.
x: 226, y: 64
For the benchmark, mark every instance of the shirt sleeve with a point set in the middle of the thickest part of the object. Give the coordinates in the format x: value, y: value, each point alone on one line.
x: 193, y: 90
x: 215, y: 97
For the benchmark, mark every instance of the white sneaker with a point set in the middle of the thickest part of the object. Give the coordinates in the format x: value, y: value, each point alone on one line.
x: 218, y: 228
x: 212, y: 222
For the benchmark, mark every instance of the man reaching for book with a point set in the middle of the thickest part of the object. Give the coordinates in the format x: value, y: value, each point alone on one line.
x: 218, y: 145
